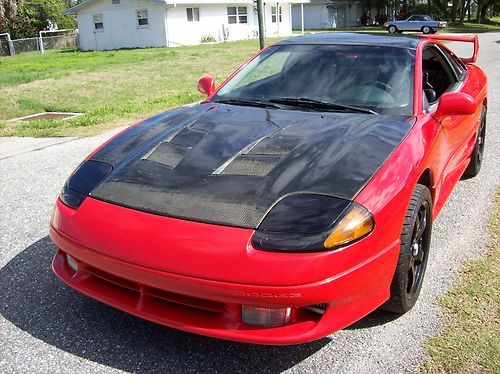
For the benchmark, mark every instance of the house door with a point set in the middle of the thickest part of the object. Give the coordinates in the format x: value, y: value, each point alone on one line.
x: 337, y: 17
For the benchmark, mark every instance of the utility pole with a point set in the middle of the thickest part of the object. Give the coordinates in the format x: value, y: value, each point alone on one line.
x: 260, y: 16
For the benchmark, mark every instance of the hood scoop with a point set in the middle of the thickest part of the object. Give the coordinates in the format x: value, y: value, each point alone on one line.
x: 261, y: 157
x: 175, y: 148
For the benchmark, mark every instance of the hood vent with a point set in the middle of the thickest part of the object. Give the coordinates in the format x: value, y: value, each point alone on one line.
x: 261, y: 158
x: 172, y: 151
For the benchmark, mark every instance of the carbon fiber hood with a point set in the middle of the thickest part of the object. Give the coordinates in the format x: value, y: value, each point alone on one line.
x: 229, y: 164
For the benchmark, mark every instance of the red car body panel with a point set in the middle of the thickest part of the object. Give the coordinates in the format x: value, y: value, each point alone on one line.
x: 195, y: 276
x: 212, y: 307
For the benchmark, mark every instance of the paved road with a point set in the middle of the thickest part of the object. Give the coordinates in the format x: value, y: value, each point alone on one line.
x: 46, y: 327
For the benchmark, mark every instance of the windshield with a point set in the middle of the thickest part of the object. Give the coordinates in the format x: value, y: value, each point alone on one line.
x: 373, y: 78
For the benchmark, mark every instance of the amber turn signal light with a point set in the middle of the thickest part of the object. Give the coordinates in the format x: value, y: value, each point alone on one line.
x: 357, y: 223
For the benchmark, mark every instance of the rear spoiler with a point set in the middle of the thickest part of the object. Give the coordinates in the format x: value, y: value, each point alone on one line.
x: 460, y: 38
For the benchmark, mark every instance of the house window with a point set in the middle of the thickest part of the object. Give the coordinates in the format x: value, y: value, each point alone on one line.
x: 237, y: 14
x: 142, y: 17
x: 115, y: 2
x: 193, y: 14
x: 275, y: 15
x: 98, y: 24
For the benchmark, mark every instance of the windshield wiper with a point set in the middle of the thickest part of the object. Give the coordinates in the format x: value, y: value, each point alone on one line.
x: 246, y: 103
x: 317, y: 104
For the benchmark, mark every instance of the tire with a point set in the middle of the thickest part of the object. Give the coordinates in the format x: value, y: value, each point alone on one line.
x: 476, y: 159
x: 426, y: 30
x: 392, y: 29
x: 414, y: 252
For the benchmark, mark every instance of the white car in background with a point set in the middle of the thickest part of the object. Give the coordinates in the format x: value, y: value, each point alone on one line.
x: 418, y: 22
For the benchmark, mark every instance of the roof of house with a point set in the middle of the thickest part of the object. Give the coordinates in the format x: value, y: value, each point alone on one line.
x: 84, y: 4
x: 77, y: 7
x: 354, y: 38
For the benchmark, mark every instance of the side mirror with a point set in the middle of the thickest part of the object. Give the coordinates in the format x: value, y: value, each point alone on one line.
x: 206, y: 85
x: 455, y: 104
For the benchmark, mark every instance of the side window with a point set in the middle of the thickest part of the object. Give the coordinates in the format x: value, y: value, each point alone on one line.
x: 193, y: 14
x: 437, y: 74
x: 237, y: 14
x: 276, y: 14
x: 412, y: 18
x: 98, y: 22
x: 457, y: 65
x: 142, y: 17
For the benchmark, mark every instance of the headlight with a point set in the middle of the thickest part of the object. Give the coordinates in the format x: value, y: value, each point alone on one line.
x: 385, y: 24
x: 310, y: 222
x: 83, y: 181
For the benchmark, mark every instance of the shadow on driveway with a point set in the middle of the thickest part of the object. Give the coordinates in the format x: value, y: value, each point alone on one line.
x: 36, y: 302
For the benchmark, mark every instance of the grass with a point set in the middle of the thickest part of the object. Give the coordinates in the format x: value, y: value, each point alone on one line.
x: 493, y: 25
x: 114, y: 88
x: 471, y: 340
x: 111, y: 88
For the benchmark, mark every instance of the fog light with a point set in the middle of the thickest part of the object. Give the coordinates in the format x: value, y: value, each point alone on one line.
x: 72, y: 263
x: 254, y: 315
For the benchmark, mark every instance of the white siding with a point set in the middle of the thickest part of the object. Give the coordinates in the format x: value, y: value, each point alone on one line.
x: 120, y: 25
x: 168, y: 24
x: 316, y: 16
x: 213, y: 22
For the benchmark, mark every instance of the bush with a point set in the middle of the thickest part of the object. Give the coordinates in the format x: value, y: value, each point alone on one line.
x: 208, y: 38
x: 381, y: 19
x: 434, y: 11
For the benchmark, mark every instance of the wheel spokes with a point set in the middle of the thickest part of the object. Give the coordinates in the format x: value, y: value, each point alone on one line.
x: 417, y: 251
x: 419, y: 258
x: 411, y: 277
x: 422, y: 223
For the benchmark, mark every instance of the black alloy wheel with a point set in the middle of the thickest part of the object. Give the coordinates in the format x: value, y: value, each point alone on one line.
x: 414, y: 252
x: 477, y: 155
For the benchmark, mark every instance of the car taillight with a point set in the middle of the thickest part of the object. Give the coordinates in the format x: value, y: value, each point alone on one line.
x: 271, y: 317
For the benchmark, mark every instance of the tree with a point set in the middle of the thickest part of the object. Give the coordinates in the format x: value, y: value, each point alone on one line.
x: 25, y: 18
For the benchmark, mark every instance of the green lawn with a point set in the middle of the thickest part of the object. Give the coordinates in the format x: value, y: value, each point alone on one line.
x: 470, y: 342
x: 493, y: 25
x: 469, y: 27
x: 111, y: 88
x: 114, y: 88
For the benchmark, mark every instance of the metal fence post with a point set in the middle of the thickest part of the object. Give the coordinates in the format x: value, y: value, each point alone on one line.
x: 41, y: 41
x: 11, y: 46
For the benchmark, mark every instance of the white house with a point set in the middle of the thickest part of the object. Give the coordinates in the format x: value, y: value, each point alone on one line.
x: 113, y: 24
x: 326, y: 14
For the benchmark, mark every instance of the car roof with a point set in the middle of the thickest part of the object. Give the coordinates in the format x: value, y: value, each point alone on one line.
x: 351, y: 38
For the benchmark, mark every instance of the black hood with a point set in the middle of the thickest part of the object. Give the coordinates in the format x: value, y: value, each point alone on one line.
x: 229, y: 164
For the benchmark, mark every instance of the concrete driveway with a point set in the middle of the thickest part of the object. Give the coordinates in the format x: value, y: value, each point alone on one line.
x: 46, y: 327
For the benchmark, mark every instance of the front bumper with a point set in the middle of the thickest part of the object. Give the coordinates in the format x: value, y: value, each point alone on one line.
x: 213, y: 308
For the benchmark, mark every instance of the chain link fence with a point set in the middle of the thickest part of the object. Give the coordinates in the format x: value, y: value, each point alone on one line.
x: 67, y: 40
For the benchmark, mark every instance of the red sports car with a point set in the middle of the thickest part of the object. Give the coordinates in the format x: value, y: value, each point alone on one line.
x: 294, y: 200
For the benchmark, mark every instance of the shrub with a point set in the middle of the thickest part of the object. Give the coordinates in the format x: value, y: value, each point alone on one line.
x: 208, y: 38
